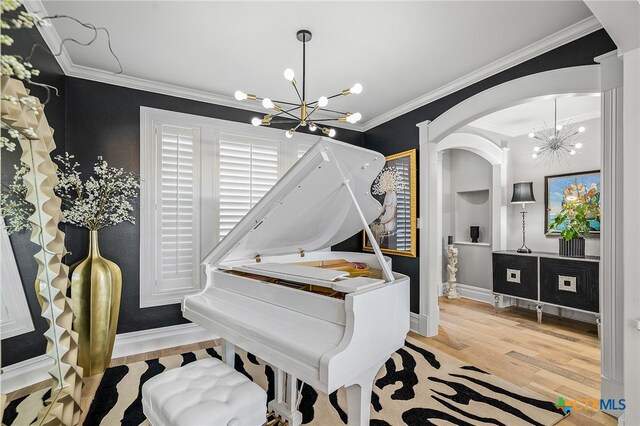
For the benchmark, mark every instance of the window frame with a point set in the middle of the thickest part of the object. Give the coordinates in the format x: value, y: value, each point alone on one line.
x: 207, y: 196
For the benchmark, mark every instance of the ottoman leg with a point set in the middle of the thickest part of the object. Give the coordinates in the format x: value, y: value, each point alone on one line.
x: 228, y: 353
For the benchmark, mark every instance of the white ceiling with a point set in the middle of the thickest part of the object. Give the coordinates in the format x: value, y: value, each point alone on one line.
x: 397, y: 50
x: 533, y: 116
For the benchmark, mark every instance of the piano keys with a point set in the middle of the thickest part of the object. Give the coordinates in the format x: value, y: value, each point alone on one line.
x: 274, y: 289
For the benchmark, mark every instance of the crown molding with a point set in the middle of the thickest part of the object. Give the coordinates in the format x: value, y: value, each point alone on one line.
x: 564, y: 36
x: 53, y: 41
x: 521, y: 131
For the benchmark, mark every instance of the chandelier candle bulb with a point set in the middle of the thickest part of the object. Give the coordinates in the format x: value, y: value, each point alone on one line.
x: 531, y: 135
x: 289, y: 134
x: 332, y: 132
x: 256, y: 121
x: 312, y: 127
x: 579, y: 145
x: 288, y: 74
x: 267, y: 103
x: 356, y: 89
x: 323, y: 101
x: 581, y: 129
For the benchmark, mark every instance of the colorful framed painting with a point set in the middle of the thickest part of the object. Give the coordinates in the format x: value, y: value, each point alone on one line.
x: 395, y: 189
x: 558, y: 189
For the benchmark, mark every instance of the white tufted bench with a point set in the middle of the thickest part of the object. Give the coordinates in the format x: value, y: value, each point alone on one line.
x: 204, y: 392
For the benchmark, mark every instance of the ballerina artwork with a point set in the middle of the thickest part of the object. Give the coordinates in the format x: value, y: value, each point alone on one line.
x: 394, y: 230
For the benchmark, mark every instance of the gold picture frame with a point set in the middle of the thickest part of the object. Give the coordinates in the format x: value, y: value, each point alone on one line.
x: 395, y: 188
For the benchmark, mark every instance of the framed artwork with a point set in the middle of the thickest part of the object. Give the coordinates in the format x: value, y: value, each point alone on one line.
x: 558, y: 189
x: 395, y: 189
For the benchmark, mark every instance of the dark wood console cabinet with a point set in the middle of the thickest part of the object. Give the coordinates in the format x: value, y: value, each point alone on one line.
x: 548, y: 279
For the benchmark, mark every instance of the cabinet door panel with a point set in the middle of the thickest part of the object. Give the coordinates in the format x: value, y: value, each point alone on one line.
x: 515, y: 275
x: 571, y: 283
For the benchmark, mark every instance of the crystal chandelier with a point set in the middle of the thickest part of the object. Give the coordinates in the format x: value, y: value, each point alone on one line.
x: 554, y: 144
x: 303, y: 110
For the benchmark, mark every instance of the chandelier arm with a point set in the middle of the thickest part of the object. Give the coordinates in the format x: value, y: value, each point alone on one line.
x: 283, y: 111
x: 311, y: 112
x: 295, y: 86
x: 326, y: 120
x: 291, y: 115
x: 285, y: 103
x: 333, y: 111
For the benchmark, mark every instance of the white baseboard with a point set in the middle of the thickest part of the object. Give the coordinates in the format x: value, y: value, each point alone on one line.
x: 34, y: 370
x: 25, y: 373
x: 419, y: 324
x: 479, y: 294
x: 142, y: 341
x: 485, y: 295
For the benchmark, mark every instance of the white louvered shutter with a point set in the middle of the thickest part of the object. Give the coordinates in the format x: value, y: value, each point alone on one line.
x: 301, y: 149
x: 248, y: 168
x: 403, y: 213
x: 177, y: 216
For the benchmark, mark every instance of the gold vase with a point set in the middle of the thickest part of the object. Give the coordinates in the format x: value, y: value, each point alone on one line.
x: 96, y: 285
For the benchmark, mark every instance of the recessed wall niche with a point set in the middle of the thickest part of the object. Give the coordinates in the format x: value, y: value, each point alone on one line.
x: 473, y: 208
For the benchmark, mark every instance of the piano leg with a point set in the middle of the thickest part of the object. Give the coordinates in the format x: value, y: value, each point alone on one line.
x: 359, y: 398
x: 286, y: 400
x: 228, y: 353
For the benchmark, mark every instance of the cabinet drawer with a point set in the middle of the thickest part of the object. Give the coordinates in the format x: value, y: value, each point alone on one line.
x: 571, y: 283
x: 515, y: 275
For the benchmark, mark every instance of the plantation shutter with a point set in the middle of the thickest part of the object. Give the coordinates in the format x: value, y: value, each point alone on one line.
x: 300, y: 150
x: 248, y: 168
x: 177, y: 208
x: 403, y: 213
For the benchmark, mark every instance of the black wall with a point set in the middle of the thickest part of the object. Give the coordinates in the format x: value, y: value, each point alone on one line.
x: 401, y: 133
x: 105, y: 120
x: 94, y: 119
x: 32, y: 344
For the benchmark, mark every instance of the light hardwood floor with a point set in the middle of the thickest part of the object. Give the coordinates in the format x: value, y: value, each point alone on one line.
x: 561, y: 357
x: 557, y: 358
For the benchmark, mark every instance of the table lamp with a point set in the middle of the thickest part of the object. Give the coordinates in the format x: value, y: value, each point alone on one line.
x: 523, y: 194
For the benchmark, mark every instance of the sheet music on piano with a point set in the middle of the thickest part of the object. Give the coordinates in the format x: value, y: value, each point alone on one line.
x: 330, y: 319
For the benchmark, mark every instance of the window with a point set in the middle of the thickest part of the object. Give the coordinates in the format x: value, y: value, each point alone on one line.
x: 403, y: 214
x: 178, y: 181
x: 199, y: 176
x: 247, y: 170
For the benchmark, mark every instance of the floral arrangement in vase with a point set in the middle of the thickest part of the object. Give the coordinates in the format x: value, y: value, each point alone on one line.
x: 573, y: 223
x: 103, y: 199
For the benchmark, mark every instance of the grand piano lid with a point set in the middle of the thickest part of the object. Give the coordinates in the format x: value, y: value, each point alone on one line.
x: 310, y: 208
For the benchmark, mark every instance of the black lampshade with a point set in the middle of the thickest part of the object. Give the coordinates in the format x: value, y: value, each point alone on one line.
x: 523, y: 193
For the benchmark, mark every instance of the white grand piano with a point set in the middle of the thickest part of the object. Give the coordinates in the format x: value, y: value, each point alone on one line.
x: 274, y: 289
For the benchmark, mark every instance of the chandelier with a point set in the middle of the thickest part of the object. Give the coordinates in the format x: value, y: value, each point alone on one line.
x: 554, y: 144
x: 303, y: 110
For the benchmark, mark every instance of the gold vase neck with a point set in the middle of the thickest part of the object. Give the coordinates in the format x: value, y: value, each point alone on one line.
x: 94, y: 248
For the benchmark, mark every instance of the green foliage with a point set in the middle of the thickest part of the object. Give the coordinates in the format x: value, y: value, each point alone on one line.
x: 574, y: 218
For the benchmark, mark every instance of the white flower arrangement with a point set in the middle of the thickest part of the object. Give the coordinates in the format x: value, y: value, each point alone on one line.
x: 104, y: 199
x: 389, y: 180
x: 15, y: 208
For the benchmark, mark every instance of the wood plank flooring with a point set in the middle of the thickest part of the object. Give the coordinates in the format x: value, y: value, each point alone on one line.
x: 557, y: 358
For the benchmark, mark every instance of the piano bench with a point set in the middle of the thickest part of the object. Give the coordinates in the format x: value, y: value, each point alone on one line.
x: 204, y: 392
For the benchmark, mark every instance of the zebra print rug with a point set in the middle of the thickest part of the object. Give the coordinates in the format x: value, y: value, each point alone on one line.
x: 416, y: 386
